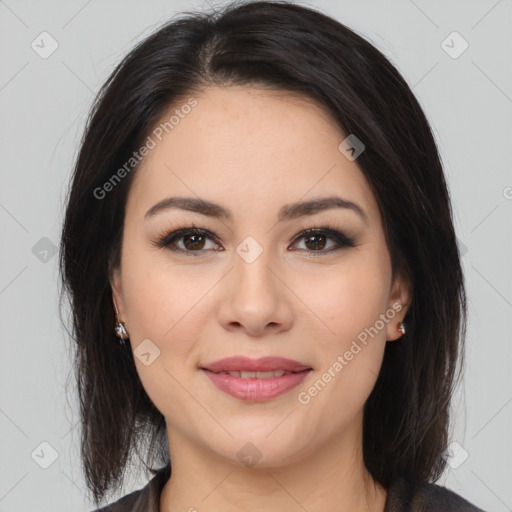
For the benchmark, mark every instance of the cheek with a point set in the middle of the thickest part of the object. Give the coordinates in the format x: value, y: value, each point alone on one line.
x: 352, y: 343
x: 161, y: 305
x: 168, y: 307
x: 159, y: 299
x: 351, y: 298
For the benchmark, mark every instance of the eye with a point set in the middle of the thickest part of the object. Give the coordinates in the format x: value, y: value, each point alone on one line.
x: 193, y: 241
x: 187, y: 240
x: 316, y: 240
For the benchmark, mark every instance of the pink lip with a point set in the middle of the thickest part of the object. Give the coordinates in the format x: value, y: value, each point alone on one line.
x: 256, y: 390
x: 263, y: 364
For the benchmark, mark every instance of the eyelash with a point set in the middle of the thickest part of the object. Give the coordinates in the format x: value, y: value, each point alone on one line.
x: 165, y: 240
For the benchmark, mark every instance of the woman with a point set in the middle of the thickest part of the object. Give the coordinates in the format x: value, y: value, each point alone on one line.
x: 265, y: 282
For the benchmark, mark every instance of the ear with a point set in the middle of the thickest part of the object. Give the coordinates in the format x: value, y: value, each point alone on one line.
x: 117, y: 293
x: 399, y: 302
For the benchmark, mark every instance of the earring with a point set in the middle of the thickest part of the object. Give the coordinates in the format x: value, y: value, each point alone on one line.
x: 401, y: 327
x: 120, y: 328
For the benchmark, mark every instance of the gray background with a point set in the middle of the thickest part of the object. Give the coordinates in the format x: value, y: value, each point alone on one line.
x: 44, y: 102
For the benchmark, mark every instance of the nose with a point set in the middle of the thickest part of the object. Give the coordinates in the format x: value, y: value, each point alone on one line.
x: 256, y: 299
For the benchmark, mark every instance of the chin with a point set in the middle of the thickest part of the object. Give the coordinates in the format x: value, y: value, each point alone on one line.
x: 260, y: 451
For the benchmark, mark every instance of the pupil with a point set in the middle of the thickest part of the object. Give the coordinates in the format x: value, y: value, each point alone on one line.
x: 316, y: 245
x: 193, y: 245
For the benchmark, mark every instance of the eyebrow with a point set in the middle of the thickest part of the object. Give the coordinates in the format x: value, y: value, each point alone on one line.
x: 287, y: 212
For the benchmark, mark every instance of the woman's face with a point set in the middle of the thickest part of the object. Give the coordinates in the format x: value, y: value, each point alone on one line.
x: 250, y: 284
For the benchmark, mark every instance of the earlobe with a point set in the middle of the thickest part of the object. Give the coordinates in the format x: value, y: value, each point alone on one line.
x: 119, y: 309
x: 399, y: 302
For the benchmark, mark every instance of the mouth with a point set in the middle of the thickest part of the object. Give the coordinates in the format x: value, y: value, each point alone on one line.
x: 256, y: 380
x: 246, y: 374
x: 262, y: 368
x: 254, y: 389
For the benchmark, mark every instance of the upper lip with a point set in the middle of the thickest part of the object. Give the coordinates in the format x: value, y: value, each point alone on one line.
x: 263, y: 364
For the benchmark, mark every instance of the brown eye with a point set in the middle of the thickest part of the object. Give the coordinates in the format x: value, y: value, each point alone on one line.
x: 194, y: 242
x: 190, y: 241
x: 315, y: 242
x: 323, y: 240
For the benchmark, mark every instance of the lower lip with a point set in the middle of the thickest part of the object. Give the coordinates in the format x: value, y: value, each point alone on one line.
x: 256, y: 390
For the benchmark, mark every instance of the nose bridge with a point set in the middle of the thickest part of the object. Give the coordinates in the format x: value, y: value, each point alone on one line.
x: 252, y: 268
x: 256, y: 296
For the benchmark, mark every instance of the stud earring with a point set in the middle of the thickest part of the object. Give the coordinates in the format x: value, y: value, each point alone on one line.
x: 120, y: 328
x: 401, y: 327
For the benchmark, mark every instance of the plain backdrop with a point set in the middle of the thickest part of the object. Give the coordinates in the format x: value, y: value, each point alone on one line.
x: 44, y: 99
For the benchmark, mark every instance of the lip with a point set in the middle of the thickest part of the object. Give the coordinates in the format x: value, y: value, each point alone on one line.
x: 263, y: 364
x: 256, y: 390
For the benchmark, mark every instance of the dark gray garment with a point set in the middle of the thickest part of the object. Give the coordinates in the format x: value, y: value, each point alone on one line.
x: 404, y: 495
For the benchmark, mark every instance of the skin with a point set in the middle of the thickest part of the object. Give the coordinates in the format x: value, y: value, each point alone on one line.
x: 254, y: 150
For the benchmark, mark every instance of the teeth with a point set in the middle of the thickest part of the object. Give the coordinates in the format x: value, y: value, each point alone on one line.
x: 256, y: 375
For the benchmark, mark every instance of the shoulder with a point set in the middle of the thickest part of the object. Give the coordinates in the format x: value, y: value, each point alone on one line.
x: 146, y: 499
x: 406, y: 494
x: 130, y: 503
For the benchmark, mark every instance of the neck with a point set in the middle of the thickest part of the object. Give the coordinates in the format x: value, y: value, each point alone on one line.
x: 333, y: 477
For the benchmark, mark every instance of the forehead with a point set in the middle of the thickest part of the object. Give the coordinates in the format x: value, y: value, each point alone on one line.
x: 246, y: 146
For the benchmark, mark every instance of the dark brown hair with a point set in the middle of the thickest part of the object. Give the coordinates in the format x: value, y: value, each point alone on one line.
x: 292, y: 48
